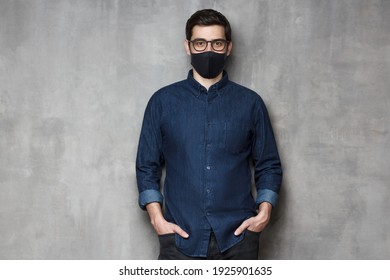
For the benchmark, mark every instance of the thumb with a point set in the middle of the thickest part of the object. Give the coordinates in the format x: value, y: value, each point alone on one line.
x: 241, y: 228
x: 181, y: 232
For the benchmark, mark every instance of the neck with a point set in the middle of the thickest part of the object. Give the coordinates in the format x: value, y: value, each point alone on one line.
x: 207, y: 83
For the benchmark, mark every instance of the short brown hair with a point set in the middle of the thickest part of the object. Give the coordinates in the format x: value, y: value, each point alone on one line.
x: 208, y: 17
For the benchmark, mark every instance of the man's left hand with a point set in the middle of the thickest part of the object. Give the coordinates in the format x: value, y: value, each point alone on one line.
x: 258, y: 222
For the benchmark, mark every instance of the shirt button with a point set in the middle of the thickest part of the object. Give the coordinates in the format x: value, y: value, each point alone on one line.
x: 208, y: 191
x: 208, y: 167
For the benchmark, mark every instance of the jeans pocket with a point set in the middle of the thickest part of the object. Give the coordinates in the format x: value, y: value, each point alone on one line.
x: 166, y: 240
x: 253, y: 233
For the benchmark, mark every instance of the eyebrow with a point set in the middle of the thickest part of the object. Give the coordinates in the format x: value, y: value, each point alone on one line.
x: 208, y: 40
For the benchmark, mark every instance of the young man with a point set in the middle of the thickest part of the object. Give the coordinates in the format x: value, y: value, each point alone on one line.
x: 205, y: 130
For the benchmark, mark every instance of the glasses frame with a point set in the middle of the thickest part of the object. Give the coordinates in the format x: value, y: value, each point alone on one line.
x: 207, y: 43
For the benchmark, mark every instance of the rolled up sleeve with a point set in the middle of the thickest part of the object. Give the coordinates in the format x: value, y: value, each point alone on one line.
x: 149, y: 156
x: 267, y: 165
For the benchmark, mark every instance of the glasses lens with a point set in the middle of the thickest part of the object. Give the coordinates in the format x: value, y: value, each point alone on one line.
x: 199, y: 44
x: 218, y: 45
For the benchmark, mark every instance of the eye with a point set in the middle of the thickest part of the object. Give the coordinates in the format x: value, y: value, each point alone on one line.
x: 219, y: 45
x: 199, y: 43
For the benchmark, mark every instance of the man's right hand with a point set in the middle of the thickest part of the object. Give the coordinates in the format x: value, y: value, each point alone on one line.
x: 160, y: 225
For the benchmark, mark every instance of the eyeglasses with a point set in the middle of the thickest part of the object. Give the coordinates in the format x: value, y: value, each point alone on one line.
x: 201, y: 44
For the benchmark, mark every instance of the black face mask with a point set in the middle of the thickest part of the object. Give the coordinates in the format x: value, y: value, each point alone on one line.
x: 208, y: 64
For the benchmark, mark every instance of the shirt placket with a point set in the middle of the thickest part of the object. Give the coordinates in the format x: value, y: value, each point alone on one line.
x: 209, y: 167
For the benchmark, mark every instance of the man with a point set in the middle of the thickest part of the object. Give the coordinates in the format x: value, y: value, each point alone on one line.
x: 205, y: 130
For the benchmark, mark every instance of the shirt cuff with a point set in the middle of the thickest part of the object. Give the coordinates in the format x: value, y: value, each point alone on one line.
x: 266, y: 195
x: 149, y: 196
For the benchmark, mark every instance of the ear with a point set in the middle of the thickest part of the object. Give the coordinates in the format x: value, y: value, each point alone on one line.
x: 230, y: 47
x: 186, y: 46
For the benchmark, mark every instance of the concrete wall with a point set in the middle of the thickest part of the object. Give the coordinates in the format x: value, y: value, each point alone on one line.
x: 75, y: 77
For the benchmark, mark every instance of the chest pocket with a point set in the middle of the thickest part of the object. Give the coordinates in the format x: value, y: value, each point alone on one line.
x: 238, y: 137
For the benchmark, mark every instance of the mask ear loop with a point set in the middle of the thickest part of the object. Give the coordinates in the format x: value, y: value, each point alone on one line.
x: 189, y: 46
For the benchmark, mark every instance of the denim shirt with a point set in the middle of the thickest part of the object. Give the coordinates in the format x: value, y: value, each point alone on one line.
x: 207, y: 141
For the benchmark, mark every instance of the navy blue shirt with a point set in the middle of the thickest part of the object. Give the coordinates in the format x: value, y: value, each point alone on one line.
x: 207, y: 141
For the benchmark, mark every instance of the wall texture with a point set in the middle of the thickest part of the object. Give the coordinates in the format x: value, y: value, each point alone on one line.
x: 75, y: 77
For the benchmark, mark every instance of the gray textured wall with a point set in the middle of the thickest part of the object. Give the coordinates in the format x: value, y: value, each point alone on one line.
x: 75, y: 77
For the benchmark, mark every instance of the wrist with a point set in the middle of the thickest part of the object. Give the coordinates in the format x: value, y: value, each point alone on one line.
x: 265, y: 206
x: 155, y: 213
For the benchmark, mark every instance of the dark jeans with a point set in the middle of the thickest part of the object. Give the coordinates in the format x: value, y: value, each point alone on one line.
x: 247, y: 249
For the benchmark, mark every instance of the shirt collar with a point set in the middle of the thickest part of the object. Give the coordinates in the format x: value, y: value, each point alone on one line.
x: 199, y: 88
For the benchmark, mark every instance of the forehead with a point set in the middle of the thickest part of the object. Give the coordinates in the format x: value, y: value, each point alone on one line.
x: 208, y: 32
